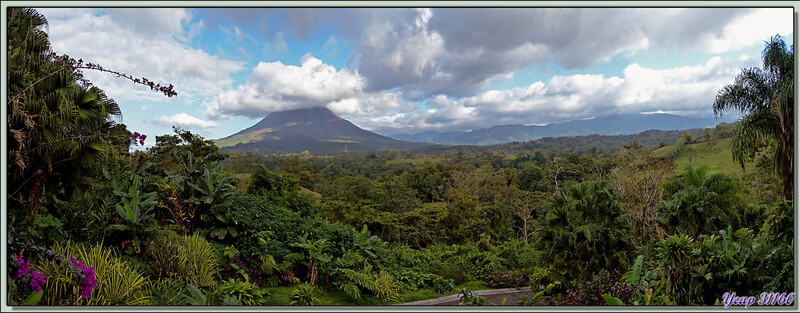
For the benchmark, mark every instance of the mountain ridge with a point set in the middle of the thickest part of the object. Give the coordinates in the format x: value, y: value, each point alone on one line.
x: 621, y: 124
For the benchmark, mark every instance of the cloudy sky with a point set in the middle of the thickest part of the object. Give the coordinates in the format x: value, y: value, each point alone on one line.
x: 407, y: 70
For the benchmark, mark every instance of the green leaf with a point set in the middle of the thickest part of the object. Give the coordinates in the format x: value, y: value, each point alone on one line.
x: 635, y: 274
x: 196, y: 297
x: 33, y: 299
x: 611, y: 300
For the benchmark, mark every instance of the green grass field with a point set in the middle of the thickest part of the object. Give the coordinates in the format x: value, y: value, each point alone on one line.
x: 700, y: 154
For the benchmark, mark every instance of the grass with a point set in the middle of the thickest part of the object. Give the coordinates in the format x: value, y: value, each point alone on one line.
x: 720, y: 161
x: 281, y: 296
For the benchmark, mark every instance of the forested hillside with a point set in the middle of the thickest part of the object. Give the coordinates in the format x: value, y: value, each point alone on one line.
x: 652, y: 219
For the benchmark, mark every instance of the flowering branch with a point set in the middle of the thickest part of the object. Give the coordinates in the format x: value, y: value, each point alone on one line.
x: 78, y: 65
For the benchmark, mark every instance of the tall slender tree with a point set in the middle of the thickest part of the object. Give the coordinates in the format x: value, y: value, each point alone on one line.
x: 766, y: 95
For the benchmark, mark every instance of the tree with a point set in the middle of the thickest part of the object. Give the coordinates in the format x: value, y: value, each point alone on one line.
x: 639, y: 181
x: 525, y: 209
x: 315, y: 255
x: 766, y: 95
x: 583, y: 230
x: 697, y: 204
x: 62, y: 129
x: 58, y: 124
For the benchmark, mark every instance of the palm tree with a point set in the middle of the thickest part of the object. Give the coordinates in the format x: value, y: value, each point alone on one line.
x: 698, y: 204
x: 58, y: 123
x: 583, y: 230
x: 767, y: 97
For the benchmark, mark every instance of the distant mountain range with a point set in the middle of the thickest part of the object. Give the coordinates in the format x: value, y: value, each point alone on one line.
x: 622, y: 124
x: 316, y: 130
x: 321, y: 132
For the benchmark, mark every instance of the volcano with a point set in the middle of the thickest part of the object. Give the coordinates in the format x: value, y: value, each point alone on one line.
x: 316, y: 130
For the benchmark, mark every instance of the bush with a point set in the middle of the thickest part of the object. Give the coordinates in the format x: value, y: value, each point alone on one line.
x: 591, y: 292
x: 242, y: 292
x: 272, y: 184
x: 387, y: 287
x: 442, y: 285
x: 118, y: 283
x: 448, y: 270
x: 506, y: 279
x: 304, y: 294
x: 168, y: 292
x: 254, y: 214
x: 197, y: 261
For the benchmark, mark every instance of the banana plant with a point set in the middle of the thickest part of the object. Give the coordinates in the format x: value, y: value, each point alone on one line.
x: 134, y: 210
x: 315, y: 255
x: 227, y: 226
x: 213, y: 187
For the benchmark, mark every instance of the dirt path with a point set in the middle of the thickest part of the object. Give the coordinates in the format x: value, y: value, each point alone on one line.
x: 493, y: 297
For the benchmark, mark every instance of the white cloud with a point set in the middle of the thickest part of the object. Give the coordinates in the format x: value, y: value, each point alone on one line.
x: 151, y: 21
x: 688, y: 90
x: 277, y: 46
x: 398, y: 49
x: 134, y: 42
x: 753, y: 29
x: 458, y: 51
x: 183, y: 120
x: 275, y: 86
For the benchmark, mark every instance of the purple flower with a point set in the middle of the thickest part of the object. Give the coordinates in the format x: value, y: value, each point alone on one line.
x: 24, y: 268
x: 37, y: 281
x: 135, y: 134
x: 88, y: 284
x: 39, y: 171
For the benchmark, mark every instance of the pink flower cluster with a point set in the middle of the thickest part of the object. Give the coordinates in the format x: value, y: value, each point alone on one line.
x: 37, y: 280
x: 88, y: 284
x: 24, y: 268
x: 140, y: 137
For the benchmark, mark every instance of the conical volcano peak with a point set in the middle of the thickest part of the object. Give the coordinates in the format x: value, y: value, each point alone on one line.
x: 316, y: 129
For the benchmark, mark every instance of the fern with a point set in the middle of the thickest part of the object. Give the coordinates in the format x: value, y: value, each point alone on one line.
x: 351, y: 290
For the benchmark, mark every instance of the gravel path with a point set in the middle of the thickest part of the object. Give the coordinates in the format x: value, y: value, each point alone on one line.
x: 493, y: 297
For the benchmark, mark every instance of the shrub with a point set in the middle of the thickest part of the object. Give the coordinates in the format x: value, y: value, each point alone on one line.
x: 197, y: 261
x: 506, y: 279
x: 386, y: 287
x: 242, y: 292
x: 442, y: 285
x: 448, y: 270
x: 254, y: 214
x: 304, y: 294
x: 272, y: 184
x: 584, y: 230
x: 118, y: 283
x: 591, y: 292
x: 468, y: 298
x: 168, y: 292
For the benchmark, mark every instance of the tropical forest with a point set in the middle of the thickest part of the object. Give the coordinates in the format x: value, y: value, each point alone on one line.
x: 99, y: 213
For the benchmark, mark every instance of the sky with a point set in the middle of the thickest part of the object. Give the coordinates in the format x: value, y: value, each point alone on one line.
x: 409, y: 70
